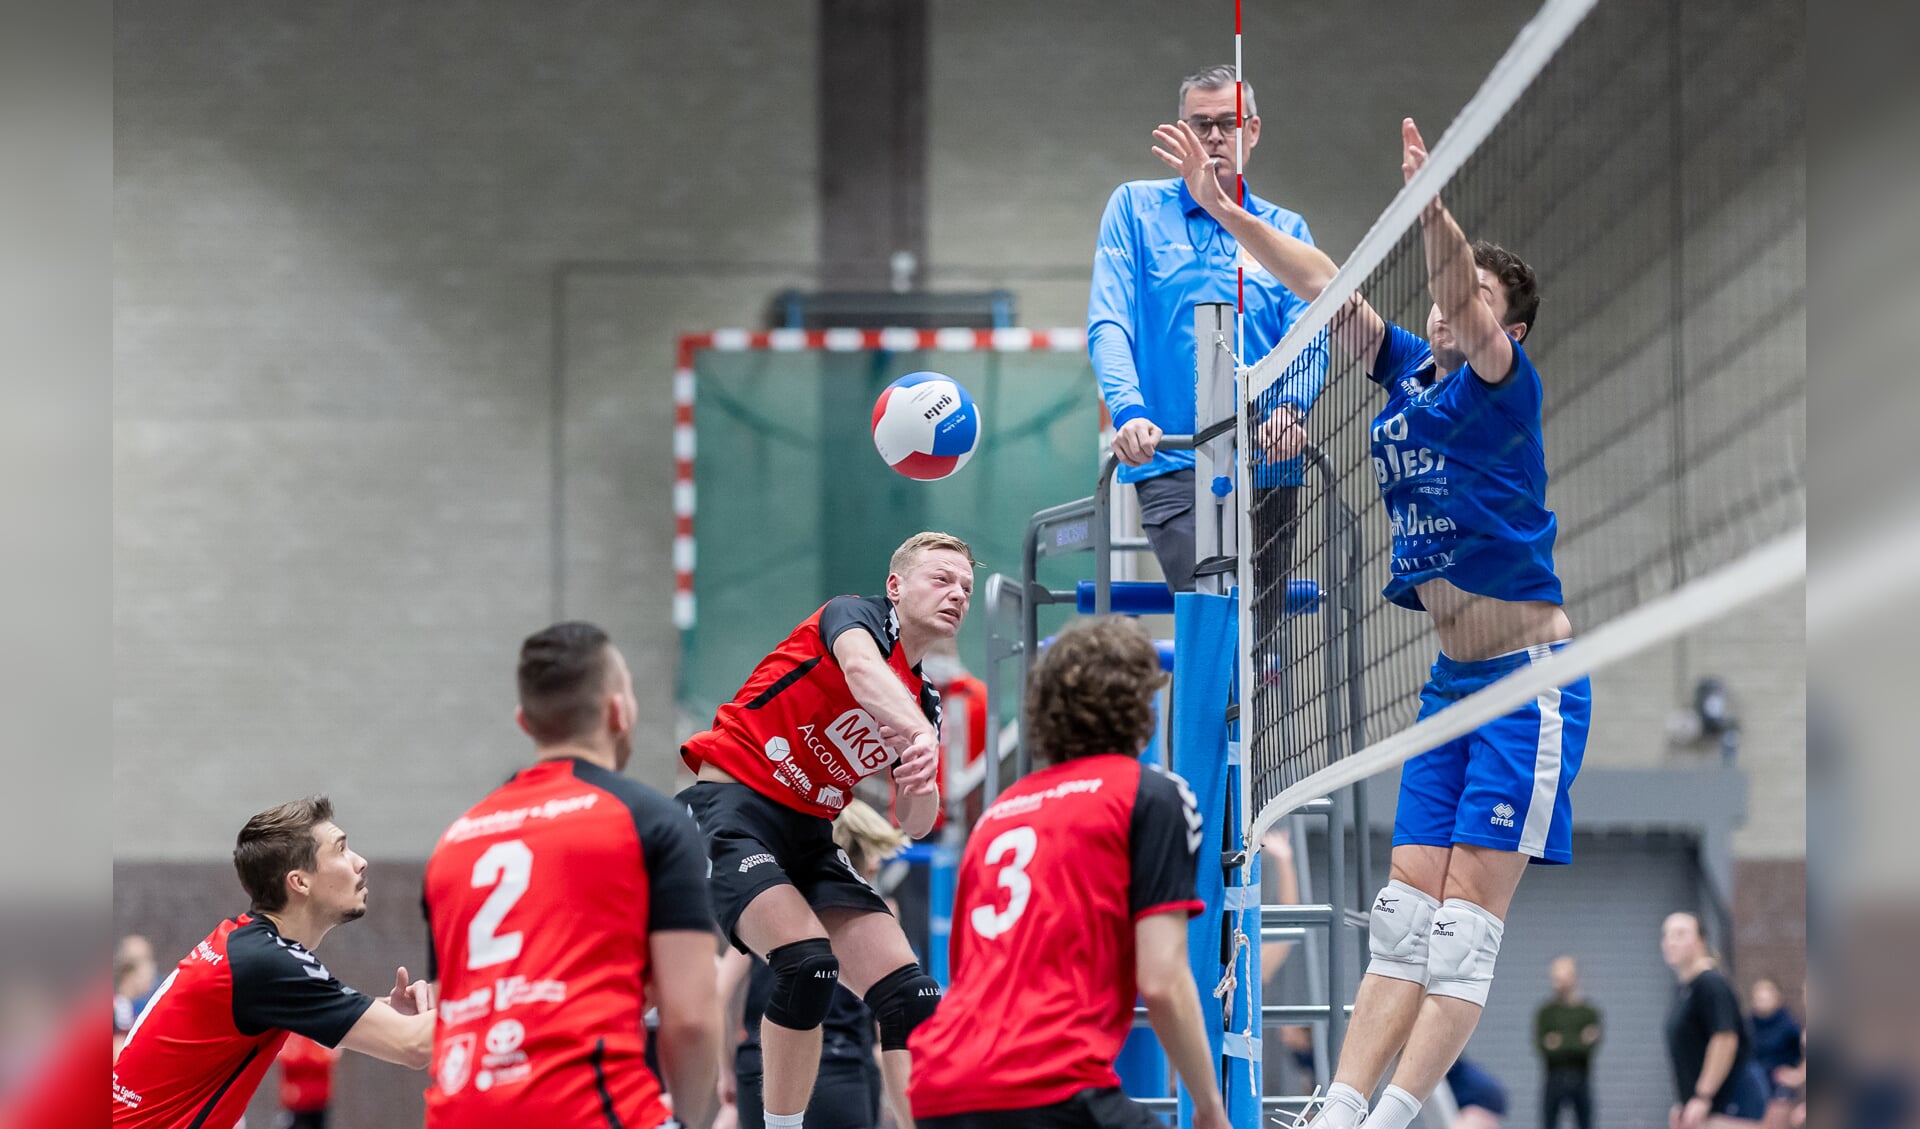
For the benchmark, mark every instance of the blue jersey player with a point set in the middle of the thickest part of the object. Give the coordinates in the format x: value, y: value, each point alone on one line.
x: 1458, y: 453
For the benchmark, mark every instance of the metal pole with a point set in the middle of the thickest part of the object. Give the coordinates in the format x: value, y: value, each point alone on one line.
x: 1029, y: 633
x: 1103, y: 537
x: 1348, y: 608
x: 1213, y: 534
x: 990, y: 784
x: 1337, y: 926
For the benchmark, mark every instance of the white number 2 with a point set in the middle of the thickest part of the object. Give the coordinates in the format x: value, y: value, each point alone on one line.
x: 507, y: 867
x: 1019, y: 842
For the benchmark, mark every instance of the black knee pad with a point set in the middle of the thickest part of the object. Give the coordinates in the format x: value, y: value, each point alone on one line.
x: 901, y: 1001
x: 805, y: 974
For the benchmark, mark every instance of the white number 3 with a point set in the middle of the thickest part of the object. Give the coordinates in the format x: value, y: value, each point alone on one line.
x: 510, y: 865
x: 1019, y: 842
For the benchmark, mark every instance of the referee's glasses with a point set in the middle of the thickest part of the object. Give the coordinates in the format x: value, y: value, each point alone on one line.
x: 1204, y: 125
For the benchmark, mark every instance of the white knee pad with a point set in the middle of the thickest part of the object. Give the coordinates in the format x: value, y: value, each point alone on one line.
x: 1466, y: 942
x: 1397, y: 932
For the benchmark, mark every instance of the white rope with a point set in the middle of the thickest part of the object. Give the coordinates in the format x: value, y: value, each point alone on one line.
x: 1315, y: 1102
x: 1773, y: 566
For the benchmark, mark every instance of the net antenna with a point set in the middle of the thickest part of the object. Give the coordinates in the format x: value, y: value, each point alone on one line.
x: 1649, y: 165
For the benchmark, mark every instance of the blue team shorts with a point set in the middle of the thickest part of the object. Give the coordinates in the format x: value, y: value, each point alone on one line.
x: 1505, y: 785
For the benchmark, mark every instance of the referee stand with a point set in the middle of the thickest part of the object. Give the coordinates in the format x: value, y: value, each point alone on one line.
x: 1203, y: 745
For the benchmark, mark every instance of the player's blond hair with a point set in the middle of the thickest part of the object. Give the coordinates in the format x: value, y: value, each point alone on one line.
x: 866, y: 835
x: 908, y: 554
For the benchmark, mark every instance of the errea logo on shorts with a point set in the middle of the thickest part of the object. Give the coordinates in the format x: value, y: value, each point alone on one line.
x: 1502, y: 815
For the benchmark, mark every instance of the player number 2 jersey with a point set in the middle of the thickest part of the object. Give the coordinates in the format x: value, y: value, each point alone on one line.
x: 794, y: 733
x: 1053, y: 879
x: 540, y: 901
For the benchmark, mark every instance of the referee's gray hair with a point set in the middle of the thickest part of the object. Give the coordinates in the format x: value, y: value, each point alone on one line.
x: 1213, y: 78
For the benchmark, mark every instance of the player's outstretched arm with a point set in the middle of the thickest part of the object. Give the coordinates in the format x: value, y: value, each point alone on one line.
x: 1300, y: 266
x: 1165, y: 981
x: 1451, y: 274
x: 684, y: 989
x: 386, y: 1034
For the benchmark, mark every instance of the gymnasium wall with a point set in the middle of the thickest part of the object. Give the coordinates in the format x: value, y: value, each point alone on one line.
x: 365, y: 251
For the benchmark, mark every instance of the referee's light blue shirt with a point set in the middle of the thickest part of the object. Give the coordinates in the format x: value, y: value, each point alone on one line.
x: 1160, y: 254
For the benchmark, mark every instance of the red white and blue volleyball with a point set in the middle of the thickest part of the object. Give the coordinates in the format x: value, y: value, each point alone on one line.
x: 925, y: 425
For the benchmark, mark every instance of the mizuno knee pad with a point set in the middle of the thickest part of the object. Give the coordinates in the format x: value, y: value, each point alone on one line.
x: 1398, y: 928
x: 805, y: 974
x: 1466, y: 941
x: 902, y: 1000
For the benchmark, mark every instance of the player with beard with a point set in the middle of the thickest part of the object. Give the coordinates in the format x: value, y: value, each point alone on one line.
x: 559, y: 908
x: 218, y: 1021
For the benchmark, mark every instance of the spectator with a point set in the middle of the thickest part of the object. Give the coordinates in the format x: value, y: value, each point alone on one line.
x: 1716, y: 1081
x: 1566, y: 1031
x: 1159, y: 255
x: 1776, y: 1044
x: 133, y: 973
x: 306, y: 1083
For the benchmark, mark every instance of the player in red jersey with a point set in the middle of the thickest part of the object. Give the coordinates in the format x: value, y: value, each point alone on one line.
x: 1073, y: 896
x: 217, y: 1022
x: 559, y: 908
x: 841, y: 699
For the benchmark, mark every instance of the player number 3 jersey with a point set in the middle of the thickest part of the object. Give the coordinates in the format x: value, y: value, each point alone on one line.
x: 794, y: 733
x: 1053, y: 879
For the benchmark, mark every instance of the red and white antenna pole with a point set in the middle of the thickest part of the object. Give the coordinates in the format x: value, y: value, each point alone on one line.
x: 1240, y: 189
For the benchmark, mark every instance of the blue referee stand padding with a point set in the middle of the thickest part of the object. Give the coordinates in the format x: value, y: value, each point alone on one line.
x: 1151, y: 597
x: 1224, y: 942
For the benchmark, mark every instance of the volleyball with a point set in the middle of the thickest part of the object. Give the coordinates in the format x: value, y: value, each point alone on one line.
x: 925, y: 425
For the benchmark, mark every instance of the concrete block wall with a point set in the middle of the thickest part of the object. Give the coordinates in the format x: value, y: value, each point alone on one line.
x: 337, y: 236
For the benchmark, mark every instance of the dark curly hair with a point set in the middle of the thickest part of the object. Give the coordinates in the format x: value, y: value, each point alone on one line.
x: 1092, y: 691
x: 1522, y: 287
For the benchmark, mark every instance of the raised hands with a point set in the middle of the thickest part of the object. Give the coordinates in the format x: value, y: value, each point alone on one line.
x: 1180, y: 150
x: 918, y: 773
x: 410, y: 997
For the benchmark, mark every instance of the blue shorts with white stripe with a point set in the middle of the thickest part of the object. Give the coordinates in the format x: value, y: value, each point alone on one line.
x: 1505, y: 785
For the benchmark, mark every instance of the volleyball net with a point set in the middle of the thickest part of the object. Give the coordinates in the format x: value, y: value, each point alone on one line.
x: 1648, y: 163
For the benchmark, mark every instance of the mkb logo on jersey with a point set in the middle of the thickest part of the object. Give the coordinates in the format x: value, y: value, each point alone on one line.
x: 1502, y: 815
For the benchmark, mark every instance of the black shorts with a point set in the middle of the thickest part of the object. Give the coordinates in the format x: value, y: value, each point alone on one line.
x: 1088, y: 1109
x: 756, y: 844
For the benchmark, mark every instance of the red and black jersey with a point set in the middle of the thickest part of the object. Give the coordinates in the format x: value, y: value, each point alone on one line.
x: 1053, y: 879
x: 540, y: 901
x: 794, y: 732
x: 216, y: 1023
